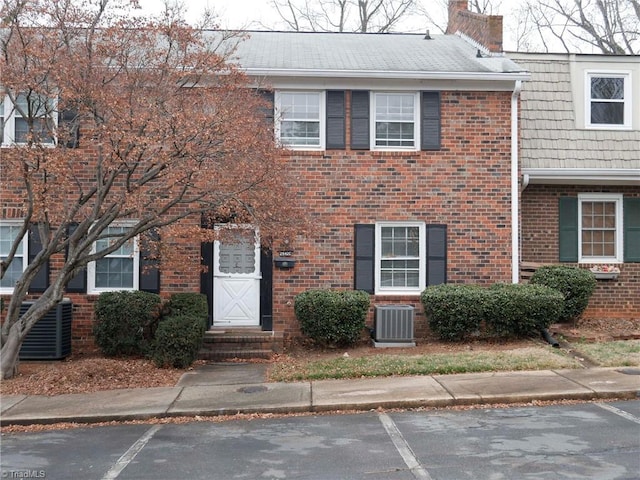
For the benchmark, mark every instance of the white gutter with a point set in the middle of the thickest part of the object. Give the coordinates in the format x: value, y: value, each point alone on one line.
x: 515, y: 192
x: 385, y: 74
x: 582, y: 176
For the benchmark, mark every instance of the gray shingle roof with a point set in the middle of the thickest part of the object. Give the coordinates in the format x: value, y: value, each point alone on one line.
x: 366, y: 52
x: 549, y: 136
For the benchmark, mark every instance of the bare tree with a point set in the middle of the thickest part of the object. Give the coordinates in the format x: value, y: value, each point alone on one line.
x: 604, y: 26
x: 377, y: 16
x: 169, y: 131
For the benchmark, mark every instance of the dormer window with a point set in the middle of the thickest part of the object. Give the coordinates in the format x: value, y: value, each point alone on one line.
x: 608, y: 100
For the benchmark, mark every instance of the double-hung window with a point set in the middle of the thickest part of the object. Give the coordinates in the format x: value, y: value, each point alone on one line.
x: 300, y: 119
x: 608, y: 100
x: 600, y: 227
x: 32, y: 118
x: 119, y: 269
x: 400, y: 257
x: 396, y: 121
x: 8, y: 233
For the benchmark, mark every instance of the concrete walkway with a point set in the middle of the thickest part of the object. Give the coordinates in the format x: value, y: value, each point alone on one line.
x: 231, y: 388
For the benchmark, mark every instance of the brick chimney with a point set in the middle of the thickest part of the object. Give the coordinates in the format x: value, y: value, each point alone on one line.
x: 484, y: 29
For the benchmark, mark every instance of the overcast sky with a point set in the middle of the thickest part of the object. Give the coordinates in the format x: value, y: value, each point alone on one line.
x: 259, y: 15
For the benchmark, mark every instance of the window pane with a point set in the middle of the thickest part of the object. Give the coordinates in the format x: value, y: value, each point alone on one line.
x: 300, y: 106
x: 300, y: 133
x: 607, y: 87
x: 598, y: 234
x: 607, y: 113
x: 114, y: 273
x: 12, y: 273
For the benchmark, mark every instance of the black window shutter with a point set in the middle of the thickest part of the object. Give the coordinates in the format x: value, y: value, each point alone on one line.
x: 360, y: 120
x: 149, y: 274
x: 568, y: 229
x: 436, y: 254
x: 430, y: 121
x: 78, y: 284
x: 41, y: 281
x: 631, y: 207
x: 335, y: 119
x: 68, y: 123
x: 364, y: 246
x: 266, y: 290
x: 268, y: 97
x: 206, y: 276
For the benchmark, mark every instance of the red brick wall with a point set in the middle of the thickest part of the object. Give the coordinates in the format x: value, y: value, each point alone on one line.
x: 618, y: 298
x: 465, y: 185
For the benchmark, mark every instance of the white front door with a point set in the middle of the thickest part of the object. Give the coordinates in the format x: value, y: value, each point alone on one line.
x: 236, y: 278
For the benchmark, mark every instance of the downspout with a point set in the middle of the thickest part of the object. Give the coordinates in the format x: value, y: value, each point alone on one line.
x: 515, y: 194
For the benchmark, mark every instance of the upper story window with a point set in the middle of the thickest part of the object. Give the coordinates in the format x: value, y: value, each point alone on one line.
x: 608, y: 100
x: 119, y: 270
x: 300, y: 119
x: 600, y: 228
x: 395, y: 121
x: 32, y: 117
x: 8, y: 234
x: 400, y: 257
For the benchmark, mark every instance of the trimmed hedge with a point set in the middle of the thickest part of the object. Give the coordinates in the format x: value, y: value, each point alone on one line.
x: 454, y: 311
x: 178, y: 340
x: 521, y: 310
x: 575, y: 284
x: 125, y: 322
x: 332, y: 317
x: 458, y: 311
x: 189, y: 304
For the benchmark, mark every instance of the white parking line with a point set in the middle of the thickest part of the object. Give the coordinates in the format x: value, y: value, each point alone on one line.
x: 403, y: 448
x: 620, y: 413
x: 130, y: 454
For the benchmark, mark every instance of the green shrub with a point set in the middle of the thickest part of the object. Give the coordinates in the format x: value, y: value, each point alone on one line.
x: 521, y: 310
x: 189, y: 304
x: 454, y: 311
x: 178, y: 340
x: 332, y: 317
x: 575, y: 284
x: 125, y: 322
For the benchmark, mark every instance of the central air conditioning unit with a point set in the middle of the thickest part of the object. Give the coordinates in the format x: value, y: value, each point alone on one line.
x: 393, y: 326
x: 50, y: 337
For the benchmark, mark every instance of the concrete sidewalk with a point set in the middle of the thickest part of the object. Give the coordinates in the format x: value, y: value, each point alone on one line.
x: 227, y: 388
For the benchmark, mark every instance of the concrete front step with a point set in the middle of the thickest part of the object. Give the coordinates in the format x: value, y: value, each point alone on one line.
x: 227, y: 344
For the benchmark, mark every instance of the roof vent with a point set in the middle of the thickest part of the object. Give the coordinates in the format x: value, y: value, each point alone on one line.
x: 427, y: 36
x: 479, y: 54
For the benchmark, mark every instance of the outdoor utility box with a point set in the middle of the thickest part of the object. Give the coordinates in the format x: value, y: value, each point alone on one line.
x: 50, y: 337
x: 393, y: 326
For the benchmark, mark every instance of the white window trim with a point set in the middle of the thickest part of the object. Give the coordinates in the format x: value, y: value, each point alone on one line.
x: 7, y: 135
x: 628, y: 100
x: 322, y: 114
x: 91, y: 266
x: 602, y: 197
x: 380, y: 290
x: 23, y: 249
x: 416, y: 122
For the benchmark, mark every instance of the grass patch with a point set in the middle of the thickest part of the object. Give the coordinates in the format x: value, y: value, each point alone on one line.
x: 619, y: 353
x: 382, y: 365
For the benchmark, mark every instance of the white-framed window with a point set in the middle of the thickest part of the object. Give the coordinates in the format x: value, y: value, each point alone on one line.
x: 400, y: 258
x: 300, y: 119
x: 608, y: 100
x: 600, y: 228
x: 9, y: 231
x: 31, y: 117
x: 118, y: 270
x: 395, y: 121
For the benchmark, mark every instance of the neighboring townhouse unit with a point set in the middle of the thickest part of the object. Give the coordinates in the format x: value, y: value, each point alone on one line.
x: 405, y: 150
x: 580, y: 165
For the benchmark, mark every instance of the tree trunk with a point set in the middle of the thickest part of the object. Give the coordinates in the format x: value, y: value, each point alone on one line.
x: 9, y: 353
